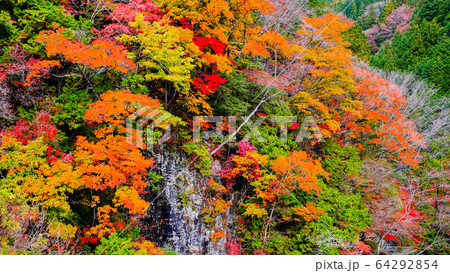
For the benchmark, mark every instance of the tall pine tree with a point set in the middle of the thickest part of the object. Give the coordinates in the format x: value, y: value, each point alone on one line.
x: 429, y: 9
x: 431, y: 33
x: 417, y: 48
x: 353, y: 11
x: 398, y: 3
x: 389, y: 63
x: 387, y: 9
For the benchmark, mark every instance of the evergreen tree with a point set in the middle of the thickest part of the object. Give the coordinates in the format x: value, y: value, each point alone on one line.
x: 358, y: 42
x: 389, y: 63
x: 431, y: 33
x: 398, y: 3
x: 436, y: 65
x: 443, y: 13
x: 377, y: 60
x: 400, y: 48
x: 424, y: 49
x: 361, y: 9
x: 387, y: 9
x: 353, y: 11
x: 372, y: 16
x: 417, y: 48
x: 428, y: 9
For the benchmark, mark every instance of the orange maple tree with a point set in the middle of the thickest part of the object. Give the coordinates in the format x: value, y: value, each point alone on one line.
x: 329, y: 88
x: 384, y: 120
x: 100, y: 53
x: 344, y: 98
x: 110, y: 165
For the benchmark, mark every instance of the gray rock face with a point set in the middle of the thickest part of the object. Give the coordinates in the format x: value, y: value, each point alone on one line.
x: 174, y: 216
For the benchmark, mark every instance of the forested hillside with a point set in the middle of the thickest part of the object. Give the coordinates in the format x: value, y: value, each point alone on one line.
x: 407, y: 35
x: 224, y: 127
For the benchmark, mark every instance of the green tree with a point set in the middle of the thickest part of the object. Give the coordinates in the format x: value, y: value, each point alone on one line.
x: 23, y: 20
x: 436, y: 65
x: 358, y: 42
x: 372, y: 16
x: 353, y: 11
x: 345, y: 217
x: 400, y: 47
x: 361, y: 9
x: 431, y: 33
x: 444, y: 13
x: 428, y: 9
x: 389, y: 63
x: 366, y: 21
x: 417, y: 48
x: 398, y: 3
x: 387, y: 9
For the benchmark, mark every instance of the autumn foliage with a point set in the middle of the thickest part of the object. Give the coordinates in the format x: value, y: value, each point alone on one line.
x: 101, y: 150
x: 100, y: 53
